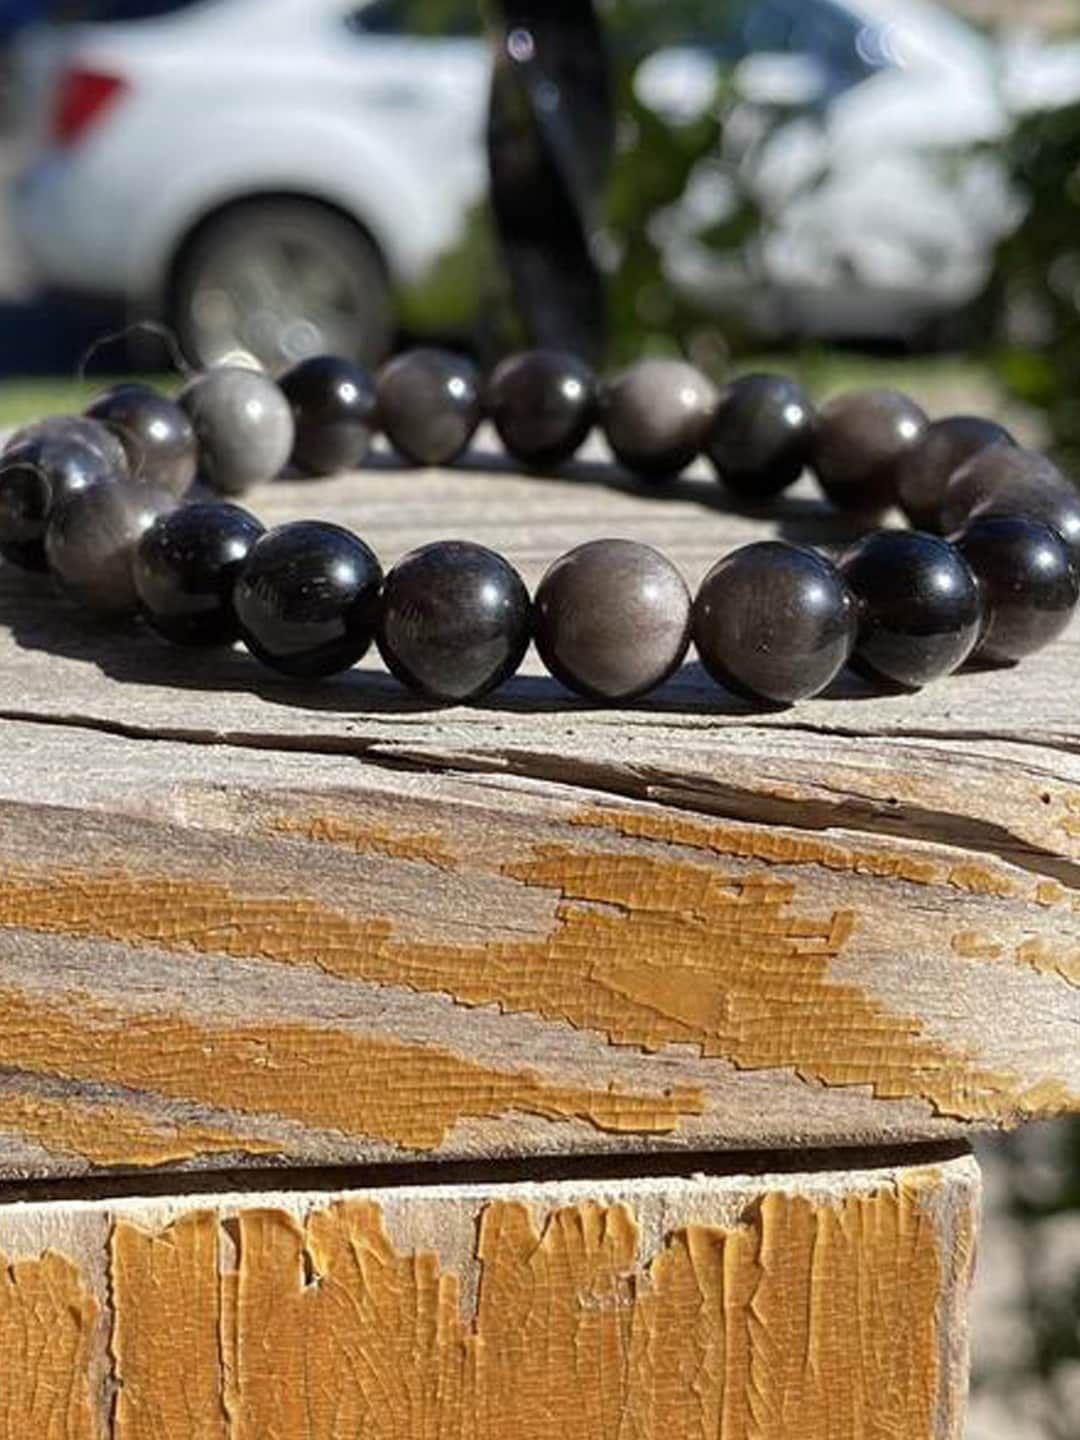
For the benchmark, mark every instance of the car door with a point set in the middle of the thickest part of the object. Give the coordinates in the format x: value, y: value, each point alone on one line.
x: 422, y: 68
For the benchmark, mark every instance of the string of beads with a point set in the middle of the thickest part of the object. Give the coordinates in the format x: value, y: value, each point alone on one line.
x: 105, y: 501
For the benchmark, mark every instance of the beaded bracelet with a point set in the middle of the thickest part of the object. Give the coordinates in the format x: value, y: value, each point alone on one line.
x: 96, y: 499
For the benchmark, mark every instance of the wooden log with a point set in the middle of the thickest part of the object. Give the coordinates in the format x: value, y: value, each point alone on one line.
x: 248, y: 921
x: 827, y: 1304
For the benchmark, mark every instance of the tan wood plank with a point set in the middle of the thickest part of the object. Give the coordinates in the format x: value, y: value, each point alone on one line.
x: 828, y: 1304
x: 242, y: 919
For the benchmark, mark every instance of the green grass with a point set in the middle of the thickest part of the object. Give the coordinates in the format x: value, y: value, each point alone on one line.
x: 29, y: 399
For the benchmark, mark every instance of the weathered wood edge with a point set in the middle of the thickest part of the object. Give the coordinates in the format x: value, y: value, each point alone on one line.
x: 835, y: 1301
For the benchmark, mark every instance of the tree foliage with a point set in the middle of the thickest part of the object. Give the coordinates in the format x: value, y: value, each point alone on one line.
x: 1039, y: 271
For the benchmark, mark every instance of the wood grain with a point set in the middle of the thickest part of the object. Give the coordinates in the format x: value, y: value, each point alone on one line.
x: 244, y: 921
x: 831, y: 1303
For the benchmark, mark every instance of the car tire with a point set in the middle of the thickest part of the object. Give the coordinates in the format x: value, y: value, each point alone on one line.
x: 274, y: 281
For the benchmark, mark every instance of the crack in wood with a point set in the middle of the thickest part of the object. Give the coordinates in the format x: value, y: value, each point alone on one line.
x: 701, y: 795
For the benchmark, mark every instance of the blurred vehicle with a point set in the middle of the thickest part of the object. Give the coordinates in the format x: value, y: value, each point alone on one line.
x: 16, y: 14
x: 262, y: 173
x: 868, y: 135
x: 269, y: 175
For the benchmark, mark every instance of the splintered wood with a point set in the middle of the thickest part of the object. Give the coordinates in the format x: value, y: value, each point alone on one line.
x: 830, y: 1306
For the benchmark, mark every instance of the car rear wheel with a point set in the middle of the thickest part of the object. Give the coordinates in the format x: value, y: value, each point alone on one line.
x: 274, y: 281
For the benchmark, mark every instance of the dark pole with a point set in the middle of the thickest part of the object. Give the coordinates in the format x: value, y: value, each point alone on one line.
x: 550, y: 142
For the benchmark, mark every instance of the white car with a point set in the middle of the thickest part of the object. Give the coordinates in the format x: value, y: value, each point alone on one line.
x: 866, y: 133
x: 263, y: 173
x: 271, y: 176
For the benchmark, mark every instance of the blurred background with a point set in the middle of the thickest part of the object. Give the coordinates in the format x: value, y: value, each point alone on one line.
x: 856, y: 191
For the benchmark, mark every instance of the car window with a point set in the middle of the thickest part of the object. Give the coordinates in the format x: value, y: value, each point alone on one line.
x: 458, y: 19
x: 731, y: 30
x: 826, y: 32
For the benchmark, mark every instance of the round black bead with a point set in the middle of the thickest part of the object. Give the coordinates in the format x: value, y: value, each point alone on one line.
x: 762, y: 435
x: 243, y: 424
x: 611, y: 619
x: 91, y: 433
x: 428, y: 404
x: 333, y: 405
x: 185, y: 568
x: 307, y: 598
x: 656, y: 416
x: 36, y: 475
x: 1010, y: 481
x: 924, y: 472
x: 455, y: 620
x: 542, y: 404
x: 155, y: 433
x: 861, y: 440
x: 919, y: 610
x: 1027, y: 580
x: 91, y: 541
x: 774, y: 622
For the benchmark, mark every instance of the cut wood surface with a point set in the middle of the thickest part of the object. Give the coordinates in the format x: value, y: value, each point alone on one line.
x: 829, y: 1306
x: 244, y: 920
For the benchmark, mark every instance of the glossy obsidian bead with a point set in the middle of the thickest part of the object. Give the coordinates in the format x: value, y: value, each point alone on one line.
x: 91, y: 540
x: 455, y: 620
x: 428, y: 404
x: 774, y: 622
x: 36, y: 475
x: 611, y: 619
x: 91, y: 433
x: 924, y: 472
x: 334, y: 406
x: 542, y: 404
x: 185, y: 567
x: 1012, y: 481
x: 243, y: 424
x: 307, y: 598
x: 919, y: 609
x: 656, y: 416
x: 1027, y: 580
x: 155, y: 433
x: 762, y: 435
x: 861, y: 440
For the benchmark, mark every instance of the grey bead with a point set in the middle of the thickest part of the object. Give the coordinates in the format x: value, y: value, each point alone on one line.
x: 91, y: 540
x: 244, y: 426
x: 1006, y: 480
x: 428, y: 404
x: 924, y: 472
x: 656, y: 416
x: 612, y: 619
x: 862, y: 438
